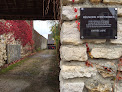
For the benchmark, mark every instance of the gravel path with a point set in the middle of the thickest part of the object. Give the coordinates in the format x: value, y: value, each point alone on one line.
x: 38, y: 74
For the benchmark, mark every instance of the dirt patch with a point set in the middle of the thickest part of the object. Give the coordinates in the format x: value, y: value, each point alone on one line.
x: 38, y: 74
x: 11, y: 85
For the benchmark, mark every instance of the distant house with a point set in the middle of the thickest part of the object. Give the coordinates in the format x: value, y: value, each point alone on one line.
x: 40, y: 42
x: 51, y: 42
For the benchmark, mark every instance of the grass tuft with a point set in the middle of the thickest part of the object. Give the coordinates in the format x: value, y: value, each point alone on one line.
x: 4, y: 70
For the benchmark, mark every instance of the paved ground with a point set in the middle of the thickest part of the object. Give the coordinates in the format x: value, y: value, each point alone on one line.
x: 38, y: 74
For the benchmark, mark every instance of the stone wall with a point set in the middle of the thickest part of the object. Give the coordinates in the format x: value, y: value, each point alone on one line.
x: 3, y: 56
x: 40, y: 42
x: 8, y: 39
x: 43, y: 43
x: 4, y: 40
x: 75, y: 76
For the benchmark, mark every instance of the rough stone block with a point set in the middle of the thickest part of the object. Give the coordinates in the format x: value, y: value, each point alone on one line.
x: 2, y: 54
x: 112, y: 1
x: 68, y: 72
x: 118, y: 84
x: 67, y: 2
x: 69, y: 14
x: 72, y: 87
x: 98, y: 86
x: 119, y: 34
x: 107, y: 53
x: 95, y: 1
x: 104, y: 72
x: 70, y: 35
x: 69, y: 53
x: 120, y: 12
x: 118, y: 87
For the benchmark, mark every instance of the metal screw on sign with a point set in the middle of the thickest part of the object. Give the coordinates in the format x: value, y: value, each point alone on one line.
x: 82, y: 37
x: 116, y: 9
x: 82, y: 9
x: 116, y: 37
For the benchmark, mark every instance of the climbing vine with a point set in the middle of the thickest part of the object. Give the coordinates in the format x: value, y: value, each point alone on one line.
x: 118, y: 72
x: 90, y: 64
x: 21, y: 30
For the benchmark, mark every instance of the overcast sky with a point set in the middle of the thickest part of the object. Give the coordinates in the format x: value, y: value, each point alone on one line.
x: 42, y: 27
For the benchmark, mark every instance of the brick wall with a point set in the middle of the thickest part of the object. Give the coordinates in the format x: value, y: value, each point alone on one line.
x: 75, y: 76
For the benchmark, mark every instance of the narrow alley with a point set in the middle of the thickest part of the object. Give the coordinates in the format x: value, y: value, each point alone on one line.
x: 39, y: 73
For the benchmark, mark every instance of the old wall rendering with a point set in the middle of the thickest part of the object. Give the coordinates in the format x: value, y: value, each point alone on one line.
x: 11, y: 49
x: 40, y: 42
x: 75, y: 75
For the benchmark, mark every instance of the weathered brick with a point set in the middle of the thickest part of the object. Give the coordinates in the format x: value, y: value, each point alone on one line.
x: 120, y: 12
x: 69, y: 53
x: 97, y: 85
x: 3, y: 56
x: 105, y: 73
x: 118, y: 86
x: 112, y: 1
x: 68, y: 72
x: 72, y: 87
x: 95, y: 1
x: 67, y: 2
x: 107, y: 53
x: 69, y: 14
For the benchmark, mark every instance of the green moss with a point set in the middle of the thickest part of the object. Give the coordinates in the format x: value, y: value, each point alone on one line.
x: 12, y: 66
x: 38, y: 49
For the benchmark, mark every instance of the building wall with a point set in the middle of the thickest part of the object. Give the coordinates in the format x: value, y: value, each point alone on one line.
x: 4, y: 40
x: 40, y: 42
x: 43, y: 42
x: 75, y: 76
x: 13, y: 53
x: 8, y: 39
x: 3, y: 56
